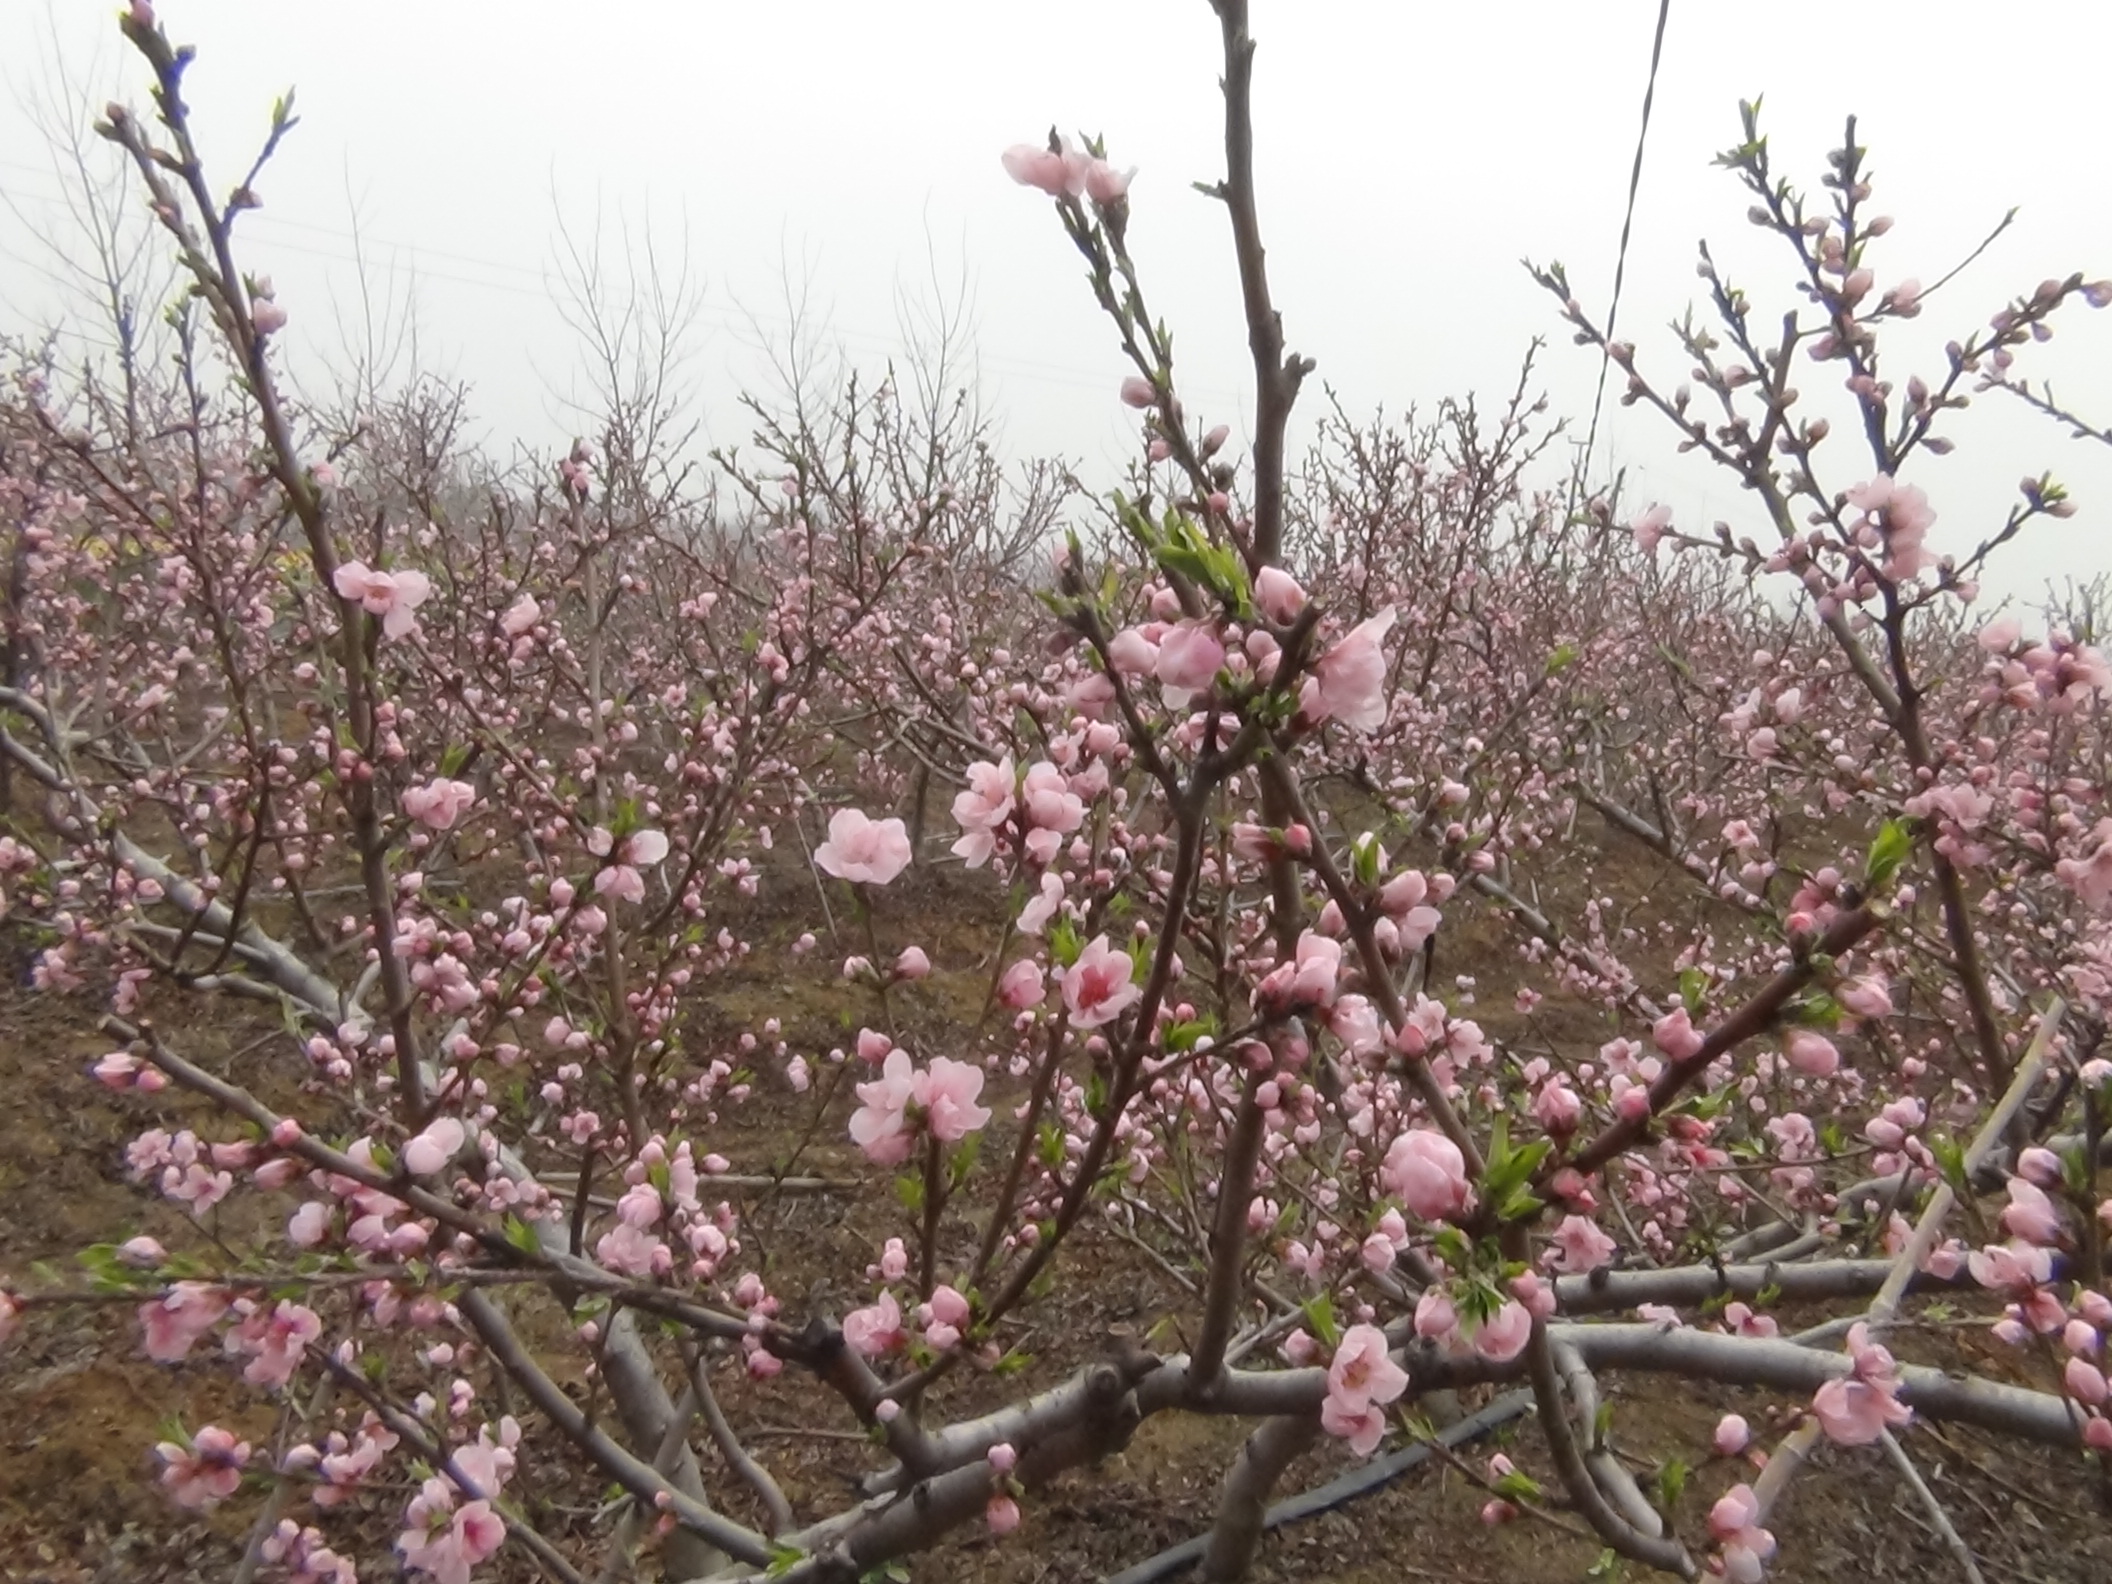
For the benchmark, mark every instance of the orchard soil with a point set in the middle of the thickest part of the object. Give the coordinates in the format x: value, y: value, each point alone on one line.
x: 80, y: 1407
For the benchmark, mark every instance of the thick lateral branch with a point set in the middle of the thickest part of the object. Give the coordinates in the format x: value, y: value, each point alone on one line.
x: 1097, y: 1411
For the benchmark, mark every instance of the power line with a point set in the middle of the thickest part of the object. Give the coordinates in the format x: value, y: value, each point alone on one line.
x: 1620, y: 263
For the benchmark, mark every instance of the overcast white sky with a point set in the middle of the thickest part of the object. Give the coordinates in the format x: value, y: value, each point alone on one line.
x: 1409, y: 155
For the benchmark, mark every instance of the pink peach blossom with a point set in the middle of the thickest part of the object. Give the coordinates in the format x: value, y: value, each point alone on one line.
x: 393, y: 596
x: 206, y: 1472
x: 881, y: 1125
x: 1041, y: 907
x: 947, y: 1095
x: 1811, y: 1053
x: 1580, y: 1247
x: 175, y: 1321
x: 1427, y: 1173
x: 981, y: 810
x: 431, y: 1150
x: 1856, y: 1410
x: 875, y: 1330
x: 1503, y: 1335
x: 1189, y: 655
x: 861, y: 849
x: 2030, y: 1215
x: 521, y: 616
x: 1349, y: 682
x: 1278, y: 595
x: 438, y: 804
x: 1100, y: 986
x: 1022, y: 985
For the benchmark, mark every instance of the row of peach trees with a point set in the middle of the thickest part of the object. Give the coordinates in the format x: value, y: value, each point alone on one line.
x: 471, y: 777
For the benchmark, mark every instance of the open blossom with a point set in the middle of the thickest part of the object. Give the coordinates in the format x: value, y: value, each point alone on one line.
x: 431, y: 1150
x: 881, y: 1125
x: 2030, y: 1215
x: 1104, y: 184
x: 438, y: 804
x: 2014, y: 1269
x: 982, y: 809
x: 276, y: 1340
x: 1190, y: 654
x: 1503, y: 1335
x: 1308, y: 980
x: 1041, y: 907
x: 1649, y: 529
x: 1902, y: 515
x: 941, y: 1099
x: 1052, y: 810
x: 1059, y: 172
x: 620, y: 877
x: 1361, y: 1379
x: 1427, y: 1173
x: 175, y: 1321
x: 1857, y: 1409
x: 450, y: 1551
x: 393, y: 596
x: 1735, y: 1523
x: 947, y: 1095
x: 1580, y: 1246
x: 1349, y: 682
x: 206, y: 1472
x: 874, y: 851
x: 1023, y: 985
x: 876, y: 1329
x: 521, y: 616
x: 1099, y: 987
x: 2091, y: 877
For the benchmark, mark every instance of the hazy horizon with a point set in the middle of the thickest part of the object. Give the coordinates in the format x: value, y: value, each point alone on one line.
x: 1406, y: 159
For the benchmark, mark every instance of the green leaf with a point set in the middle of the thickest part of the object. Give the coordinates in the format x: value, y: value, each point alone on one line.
x: 1049, y: 1145
x: 1671, y: 1485
x: 1452, y: 1246
x: 964, y: 1159
x: 909, y: 1188
x: 1096, y: 1094
x: 1517, y: 1487
x: 1522, y: 1205
x: 783, y: 1559
x: 1320, y: 1317
x: 1064, y: 944
x: 1364, y: 859
x: 1185, y: 1036
x: 1693, y: 989
x: 1950, y: 1160
x: 1888, y: 854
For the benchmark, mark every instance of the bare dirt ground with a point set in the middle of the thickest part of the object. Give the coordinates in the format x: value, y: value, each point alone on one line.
x: 80, y: 1407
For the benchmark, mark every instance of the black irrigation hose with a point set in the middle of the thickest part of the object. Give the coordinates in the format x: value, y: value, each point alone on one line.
x: 1337, y: 1492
